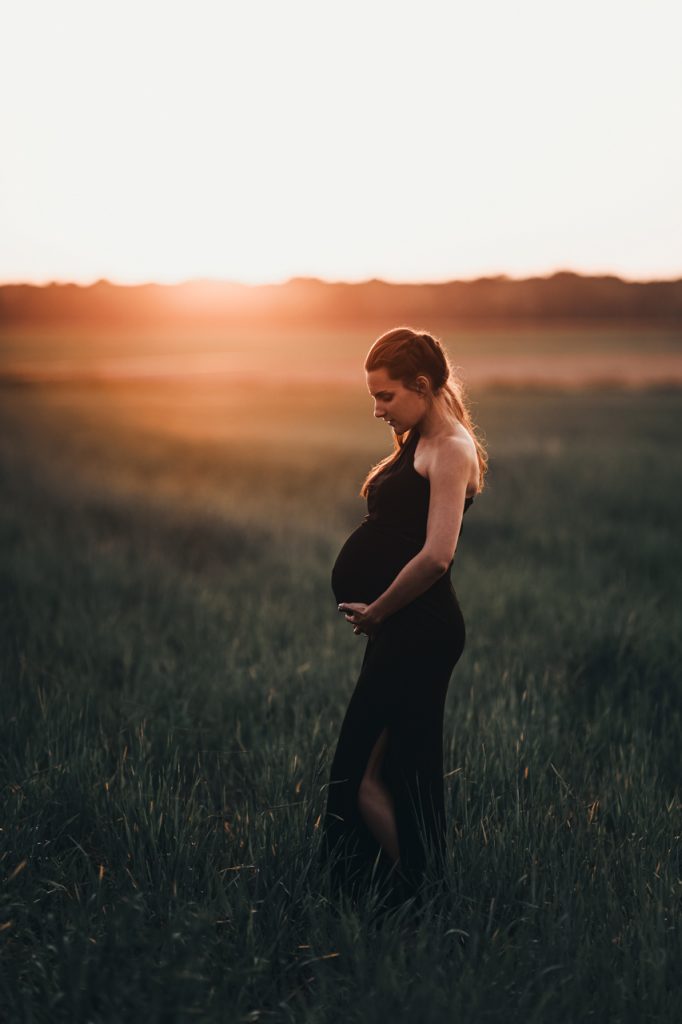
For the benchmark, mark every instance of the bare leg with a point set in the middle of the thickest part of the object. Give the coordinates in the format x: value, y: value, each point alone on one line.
x: 376, y: 803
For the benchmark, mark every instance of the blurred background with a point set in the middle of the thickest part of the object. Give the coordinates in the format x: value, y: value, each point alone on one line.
x: 208, y: 213
x: 197, y: 207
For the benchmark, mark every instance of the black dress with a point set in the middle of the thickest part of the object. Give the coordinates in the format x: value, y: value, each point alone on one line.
x: 402, y: 684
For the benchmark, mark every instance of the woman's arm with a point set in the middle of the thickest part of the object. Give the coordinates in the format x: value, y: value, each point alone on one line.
x: 448, y: 477
x: 417, y: 576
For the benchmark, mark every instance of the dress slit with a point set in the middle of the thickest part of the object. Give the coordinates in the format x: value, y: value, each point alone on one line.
x: 401, y: 691
x: 345, y: 829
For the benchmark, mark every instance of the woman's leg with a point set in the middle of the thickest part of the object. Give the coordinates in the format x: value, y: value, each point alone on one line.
x: 376, y: 803
x: 344, y: 829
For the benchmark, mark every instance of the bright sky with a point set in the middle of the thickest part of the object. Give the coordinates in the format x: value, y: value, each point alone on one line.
x: 258, y: 140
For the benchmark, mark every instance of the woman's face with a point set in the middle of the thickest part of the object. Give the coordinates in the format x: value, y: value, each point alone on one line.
x: 393, y: 402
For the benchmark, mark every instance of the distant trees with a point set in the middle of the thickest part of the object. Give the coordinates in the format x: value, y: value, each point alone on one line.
x: 562, y: 296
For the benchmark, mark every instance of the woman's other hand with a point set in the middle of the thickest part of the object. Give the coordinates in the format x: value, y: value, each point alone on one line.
x: 362, y: 617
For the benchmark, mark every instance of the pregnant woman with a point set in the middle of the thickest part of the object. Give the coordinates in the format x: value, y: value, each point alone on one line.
x: 385, y: 799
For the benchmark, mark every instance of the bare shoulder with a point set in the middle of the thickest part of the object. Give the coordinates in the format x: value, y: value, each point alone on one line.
x: 450, y: 454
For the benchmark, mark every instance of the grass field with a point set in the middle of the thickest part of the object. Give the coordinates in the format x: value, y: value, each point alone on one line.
x: 174, y: 674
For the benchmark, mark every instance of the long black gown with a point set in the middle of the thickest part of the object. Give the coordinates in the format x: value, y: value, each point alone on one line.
x: 402, y: 685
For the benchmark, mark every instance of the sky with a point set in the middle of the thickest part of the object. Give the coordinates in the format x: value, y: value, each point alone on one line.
x: 257, y: 141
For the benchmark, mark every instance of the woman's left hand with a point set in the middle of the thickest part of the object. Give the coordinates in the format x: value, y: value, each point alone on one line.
x: 362, y: 616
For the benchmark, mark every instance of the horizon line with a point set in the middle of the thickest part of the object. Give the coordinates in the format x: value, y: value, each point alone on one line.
x: 312, y: 279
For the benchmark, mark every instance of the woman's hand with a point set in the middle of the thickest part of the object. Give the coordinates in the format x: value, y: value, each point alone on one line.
x: 363, y: 617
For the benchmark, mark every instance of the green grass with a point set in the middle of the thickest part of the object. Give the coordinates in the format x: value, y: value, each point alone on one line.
x: 174, y: 674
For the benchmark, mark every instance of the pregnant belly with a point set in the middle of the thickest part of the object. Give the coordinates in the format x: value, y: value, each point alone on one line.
x: 369, y: 561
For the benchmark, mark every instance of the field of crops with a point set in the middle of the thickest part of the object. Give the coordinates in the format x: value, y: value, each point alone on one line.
x: 174, y: 674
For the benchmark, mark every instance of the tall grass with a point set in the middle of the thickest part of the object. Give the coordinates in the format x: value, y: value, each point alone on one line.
x: 173, y: 678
